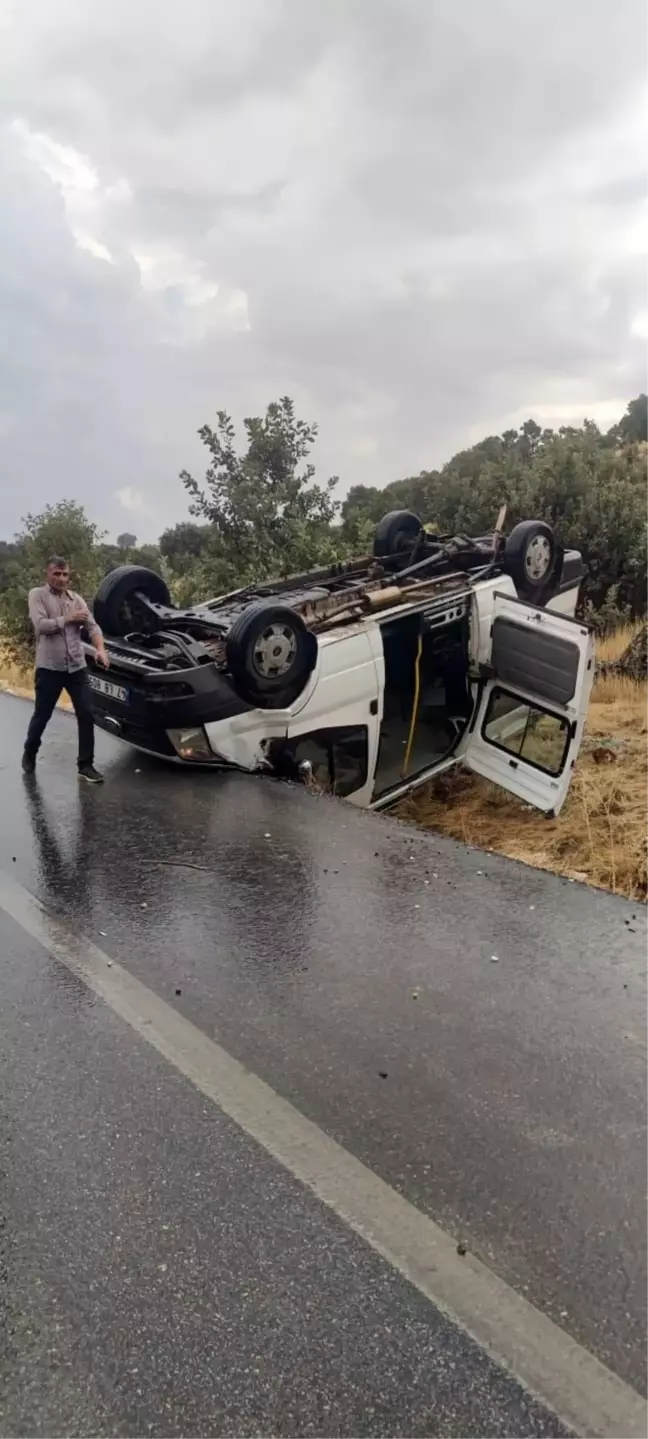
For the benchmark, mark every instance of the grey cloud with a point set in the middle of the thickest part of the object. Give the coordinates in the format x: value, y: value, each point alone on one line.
x: 430, y: 207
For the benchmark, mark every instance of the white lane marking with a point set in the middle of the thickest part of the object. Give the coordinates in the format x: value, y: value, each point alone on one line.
x: 587, y: 1396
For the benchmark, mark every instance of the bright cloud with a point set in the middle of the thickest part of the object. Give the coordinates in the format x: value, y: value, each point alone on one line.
x: 132, y: 500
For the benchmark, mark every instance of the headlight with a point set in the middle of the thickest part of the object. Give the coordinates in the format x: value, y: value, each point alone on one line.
x: 191, y: 743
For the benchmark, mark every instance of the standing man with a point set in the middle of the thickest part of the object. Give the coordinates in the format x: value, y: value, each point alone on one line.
x: 58, y: 616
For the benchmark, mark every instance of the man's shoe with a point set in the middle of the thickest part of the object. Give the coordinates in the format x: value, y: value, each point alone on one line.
x: 28, y: 763
x: 89, y: 773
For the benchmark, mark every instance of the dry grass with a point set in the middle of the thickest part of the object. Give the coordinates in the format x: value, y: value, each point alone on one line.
x: 610, y: 647
x: 600, y: 834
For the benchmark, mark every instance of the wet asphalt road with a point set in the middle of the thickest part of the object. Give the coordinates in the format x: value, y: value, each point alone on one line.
x: 506, y: 1100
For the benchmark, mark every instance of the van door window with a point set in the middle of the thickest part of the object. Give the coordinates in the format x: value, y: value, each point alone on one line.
x: 526, y: 731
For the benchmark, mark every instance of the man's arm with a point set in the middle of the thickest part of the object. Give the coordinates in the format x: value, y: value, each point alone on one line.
x: 97, y: 641
x: 90, y: 624
x: 42, y: 622
x: 96, y: 636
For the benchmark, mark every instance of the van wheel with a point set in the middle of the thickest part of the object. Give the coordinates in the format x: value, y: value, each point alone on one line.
x: 530, y: 557
x: 115, y: 607
x: 270, y: 654
x: 396, y: 533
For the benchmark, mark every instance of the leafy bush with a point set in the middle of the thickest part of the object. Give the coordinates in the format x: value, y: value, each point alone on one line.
x: 590, y: 486
x: 610, y: 616
x: 62, y: 529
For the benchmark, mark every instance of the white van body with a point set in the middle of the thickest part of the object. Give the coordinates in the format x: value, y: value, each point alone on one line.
x: 523, y: 675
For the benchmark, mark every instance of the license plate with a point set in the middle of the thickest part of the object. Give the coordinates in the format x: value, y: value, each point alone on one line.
x: 106, y: 687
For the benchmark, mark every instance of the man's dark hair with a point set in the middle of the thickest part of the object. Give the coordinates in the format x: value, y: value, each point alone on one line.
x: 59, y: 561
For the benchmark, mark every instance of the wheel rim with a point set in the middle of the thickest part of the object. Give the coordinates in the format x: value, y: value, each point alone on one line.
x: 537, y: 559
x: 274, y: 651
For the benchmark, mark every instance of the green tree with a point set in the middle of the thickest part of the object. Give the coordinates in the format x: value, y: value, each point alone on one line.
x: 109, y: 557
x: 147, y: 555
x: 8, y: 552
x: 363, y: 507
x: 183, y: 544
x: 633, y: 427
x: 192, y: 570
x: 126, y: 541
x: 591, y: 487
x: 62, y: 529
x: 266, y: 514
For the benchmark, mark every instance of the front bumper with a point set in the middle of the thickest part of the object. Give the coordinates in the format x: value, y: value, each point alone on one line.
x: 157, y: 702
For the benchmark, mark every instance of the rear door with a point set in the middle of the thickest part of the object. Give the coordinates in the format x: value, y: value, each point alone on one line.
x: 528, y: 723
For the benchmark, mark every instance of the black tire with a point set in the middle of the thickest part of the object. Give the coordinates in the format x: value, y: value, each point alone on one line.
x: 396, y: 533
x: 115, y: 605
x: 530, y: 557
x: 270, y: 653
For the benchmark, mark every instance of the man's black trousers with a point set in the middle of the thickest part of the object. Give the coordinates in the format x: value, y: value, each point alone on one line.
x: 49, y: 685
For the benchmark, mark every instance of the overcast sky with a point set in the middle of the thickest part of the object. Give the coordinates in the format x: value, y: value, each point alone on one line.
x: 424, y: 219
